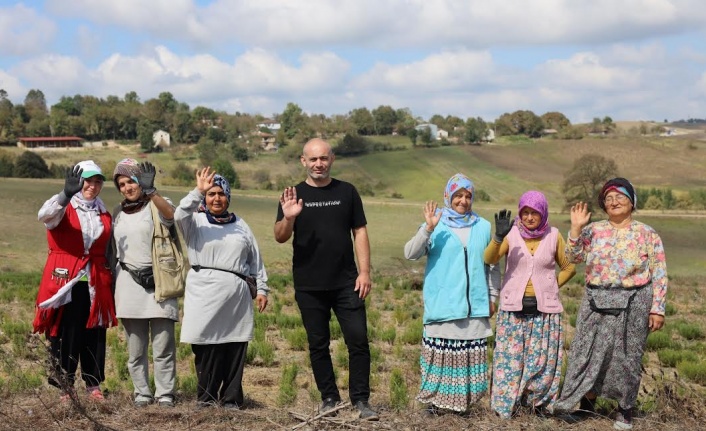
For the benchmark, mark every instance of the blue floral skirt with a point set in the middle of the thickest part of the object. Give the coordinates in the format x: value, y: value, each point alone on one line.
x: 526, y: 361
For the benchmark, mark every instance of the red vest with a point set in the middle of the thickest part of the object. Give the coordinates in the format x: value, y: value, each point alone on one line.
x: 66, y: 250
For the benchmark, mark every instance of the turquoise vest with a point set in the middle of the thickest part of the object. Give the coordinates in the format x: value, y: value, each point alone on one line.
x: 455, y: 283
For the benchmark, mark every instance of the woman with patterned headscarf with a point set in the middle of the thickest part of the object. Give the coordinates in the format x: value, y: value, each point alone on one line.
x: 528, y: 351
x: 141, y: 315
x: 626, y: 288
x: 218, y: 307
x: 459, y: 295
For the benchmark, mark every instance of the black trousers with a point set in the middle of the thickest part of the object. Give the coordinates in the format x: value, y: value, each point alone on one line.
x: 76, y: 344
x: 315, y: 307
x: 219, y: 370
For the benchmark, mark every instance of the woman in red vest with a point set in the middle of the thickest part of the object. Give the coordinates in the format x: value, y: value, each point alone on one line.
x: 528, y: 334
x: 75, y: 302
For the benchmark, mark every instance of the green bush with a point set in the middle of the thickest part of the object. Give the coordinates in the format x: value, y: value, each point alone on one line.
x: 412, y: 333
x: 672, y: 357
x: 296, y: 338
x: 694, y: 371
x: 287, y: 386
x: 690, y: 331
x: 659, y: 340
x: 399, y: 394
x: 387, y: 334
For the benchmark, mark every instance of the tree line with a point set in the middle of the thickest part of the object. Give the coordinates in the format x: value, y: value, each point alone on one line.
x: 128, y: 118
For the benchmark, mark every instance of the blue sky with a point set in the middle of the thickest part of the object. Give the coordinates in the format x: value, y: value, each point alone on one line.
x: 629, y: 59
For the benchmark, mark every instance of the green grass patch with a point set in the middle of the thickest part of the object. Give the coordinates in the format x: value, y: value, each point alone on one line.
x: 660, y: 340
x: 296, y: 338
x: 287, y: 387
x: 399, y: 394
x: 412, y: 333
x: 672, y: 357
x: 387, y: 334
x: 694, y: 371
x: 690, y: 331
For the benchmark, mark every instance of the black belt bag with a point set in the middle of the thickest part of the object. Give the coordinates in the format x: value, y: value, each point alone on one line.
x: 529, y: 306
x: 610, y: 300
x: 142, y: 276
x: 249, y: 280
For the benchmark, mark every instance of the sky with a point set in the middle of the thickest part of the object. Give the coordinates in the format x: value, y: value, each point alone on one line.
x: 627, y: 59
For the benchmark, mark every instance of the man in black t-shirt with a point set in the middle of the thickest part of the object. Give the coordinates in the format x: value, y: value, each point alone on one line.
x: 322, y: 212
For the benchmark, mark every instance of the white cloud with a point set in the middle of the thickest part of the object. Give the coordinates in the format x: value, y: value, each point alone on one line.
x: 56, y: 74
x: 445, y: 71
x: 394, y: 24
x: 11, y: 84
x: 586, y: 70
x: 23, y: 31
x: 255, y: 76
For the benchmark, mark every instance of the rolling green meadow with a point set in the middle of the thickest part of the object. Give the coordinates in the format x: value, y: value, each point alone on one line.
x: 278, y: 379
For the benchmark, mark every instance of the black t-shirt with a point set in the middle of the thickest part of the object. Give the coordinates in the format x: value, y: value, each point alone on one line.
x: 323, y: 246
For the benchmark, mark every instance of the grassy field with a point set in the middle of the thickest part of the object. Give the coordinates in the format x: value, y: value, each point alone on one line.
x: 278, y: 378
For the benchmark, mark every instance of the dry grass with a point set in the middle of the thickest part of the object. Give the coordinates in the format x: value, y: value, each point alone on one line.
x: 667, y: 401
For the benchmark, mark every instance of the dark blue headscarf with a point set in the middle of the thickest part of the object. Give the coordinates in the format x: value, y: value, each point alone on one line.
x: 226, y: 217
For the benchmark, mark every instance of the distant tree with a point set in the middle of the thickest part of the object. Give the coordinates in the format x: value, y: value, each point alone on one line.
x: 132, y: 98
x: 36, y: 104
x: 519, y: 123
x: 216, y: 134
x: 145, y: 134
x: 38, y: 126
x: 555, y: 120
x: 363, y: 121
x: 239, y: 153
x: 292, y: 120
x: 584, y: 180
x: 384, y: 118
x: 453, y: 121
x: 412, y: 134
x: 353, y: 145
x: 597, y: 126
x: 169, y: 103
x: 425, y: 136
x: 206, y: 149
x: 31, y: 165
x: 7, y: 166
x: 668, y: 199
x: 405, y: 121
x: 476, y: 130
x: 6, y: 114
x: 438, y: 120
x: 225, y: 169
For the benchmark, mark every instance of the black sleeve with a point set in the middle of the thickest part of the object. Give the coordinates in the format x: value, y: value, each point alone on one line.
x: 358, y: 219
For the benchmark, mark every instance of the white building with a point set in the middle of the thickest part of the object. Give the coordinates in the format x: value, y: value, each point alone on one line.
x: 161, y: 139
x: 269, y: 124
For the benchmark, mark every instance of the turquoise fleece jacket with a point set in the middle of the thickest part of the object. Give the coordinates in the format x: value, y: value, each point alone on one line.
x: 455, y: 284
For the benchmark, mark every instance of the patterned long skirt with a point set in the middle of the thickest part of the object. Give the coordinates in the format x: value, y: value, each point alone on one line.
x: 454, y: 372
x: 526, y: 361
x: 606, y: 353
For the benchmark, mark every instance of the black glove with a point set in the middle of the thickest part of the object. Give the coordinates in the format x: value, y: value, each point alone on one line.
x: 503, y: 224
x: 72, y: 184
x: 146, y: 178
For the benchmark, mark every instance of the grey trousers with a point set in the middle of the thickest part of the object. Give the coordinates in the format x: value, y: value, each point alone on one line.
x: 163, y: 355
